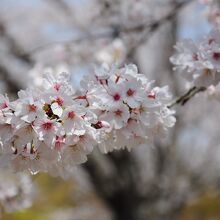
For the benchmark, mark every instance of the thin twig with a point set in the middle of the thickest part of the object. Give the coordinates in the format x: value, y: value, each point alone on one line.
x: 154, y: 26
x: 182, y: 100
x: 117, y: 31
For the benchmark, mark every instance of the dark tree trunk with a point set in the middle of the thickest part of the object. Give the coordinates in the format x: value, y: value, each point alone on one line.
x: 120, y: 190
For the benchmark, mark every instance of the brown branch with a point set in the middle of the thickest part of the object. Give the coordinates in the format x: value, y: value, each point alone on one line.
x: 182, y: 100
x: 14, y: 46
x: 69, y: 42
x: 16, y: 51
x: 154, y: 26
x: 120, y: 189
x: 117, y: 31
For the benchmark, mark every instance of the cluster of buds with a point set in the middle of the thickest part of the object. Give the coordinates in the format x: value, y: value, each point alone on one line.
x: 54, y: 128
x: 199, y: 62
x: 133, y: 109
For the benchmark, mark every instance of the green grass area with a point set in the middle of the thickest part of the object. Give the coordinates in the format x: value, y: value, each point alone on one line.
x: 52, y: 193
x: 207, y: 207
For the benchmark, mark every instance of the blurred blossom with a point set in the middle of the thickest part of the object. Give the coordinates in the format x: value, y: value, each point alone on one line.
x: 16, y: 191
x: 213, y: 92
x: 213, y: 11
x: 39, y: 70
x: 115, y: 52
x: 199, y: 62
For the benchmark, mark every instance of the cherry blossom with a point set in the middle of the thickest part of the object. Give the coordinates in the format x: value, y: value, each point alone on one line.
x: 199, y: 62
x: 45, y: 126
x: 135, y: 110
x: 213, y: 10
x: 16, y: 191
x: 54, y: 127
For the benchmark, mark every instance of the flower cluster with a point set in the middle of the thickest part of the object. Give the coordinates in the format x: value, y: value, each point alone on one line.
x: 133, y: 109
x: 213, y: 10
x: 16, y: 191
x: 45, y: 130
x: 53, y: 128
x: 199, y: 62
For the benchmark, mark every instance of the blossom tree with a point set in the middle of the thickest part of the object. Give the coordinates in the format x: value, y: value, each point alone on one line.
x: 81, y: 105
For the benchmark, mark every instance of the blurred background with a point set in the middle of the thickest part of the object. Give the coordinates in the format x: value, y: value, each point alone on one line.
x: 178, y: 177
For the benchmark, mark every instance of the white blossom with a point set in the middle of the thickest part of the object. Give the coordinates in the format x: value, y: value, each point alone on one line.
x: 199, y: 62
x: 16, y: 191
x: 55, y: 128
x: 45, y: 127
x: 213, y: 10
x: 135, y: 111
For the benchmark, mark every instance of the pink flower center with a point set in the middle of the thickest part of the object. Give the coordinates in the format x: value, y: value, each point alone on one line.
x: 130, y: 92
x: 152, y: 95
x: 59, y: 142
x: 32, y: 108
x: 98, y: 125
x: 71, y: 115
x: 118, y: 113
x: 81, y: 97
x: 195, y: 57
x: 82, y: 137
x: 59, y: 101
x: 57, y: 86
x: 3, y: 105
x: 47, y: 126
x: 117, y: 97
x: 216, y: 56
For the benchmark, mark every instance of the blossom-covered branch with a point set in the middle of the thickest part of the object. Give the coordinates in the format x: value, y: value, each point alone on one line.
x: 54, y: 128
x: 199, y: 62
